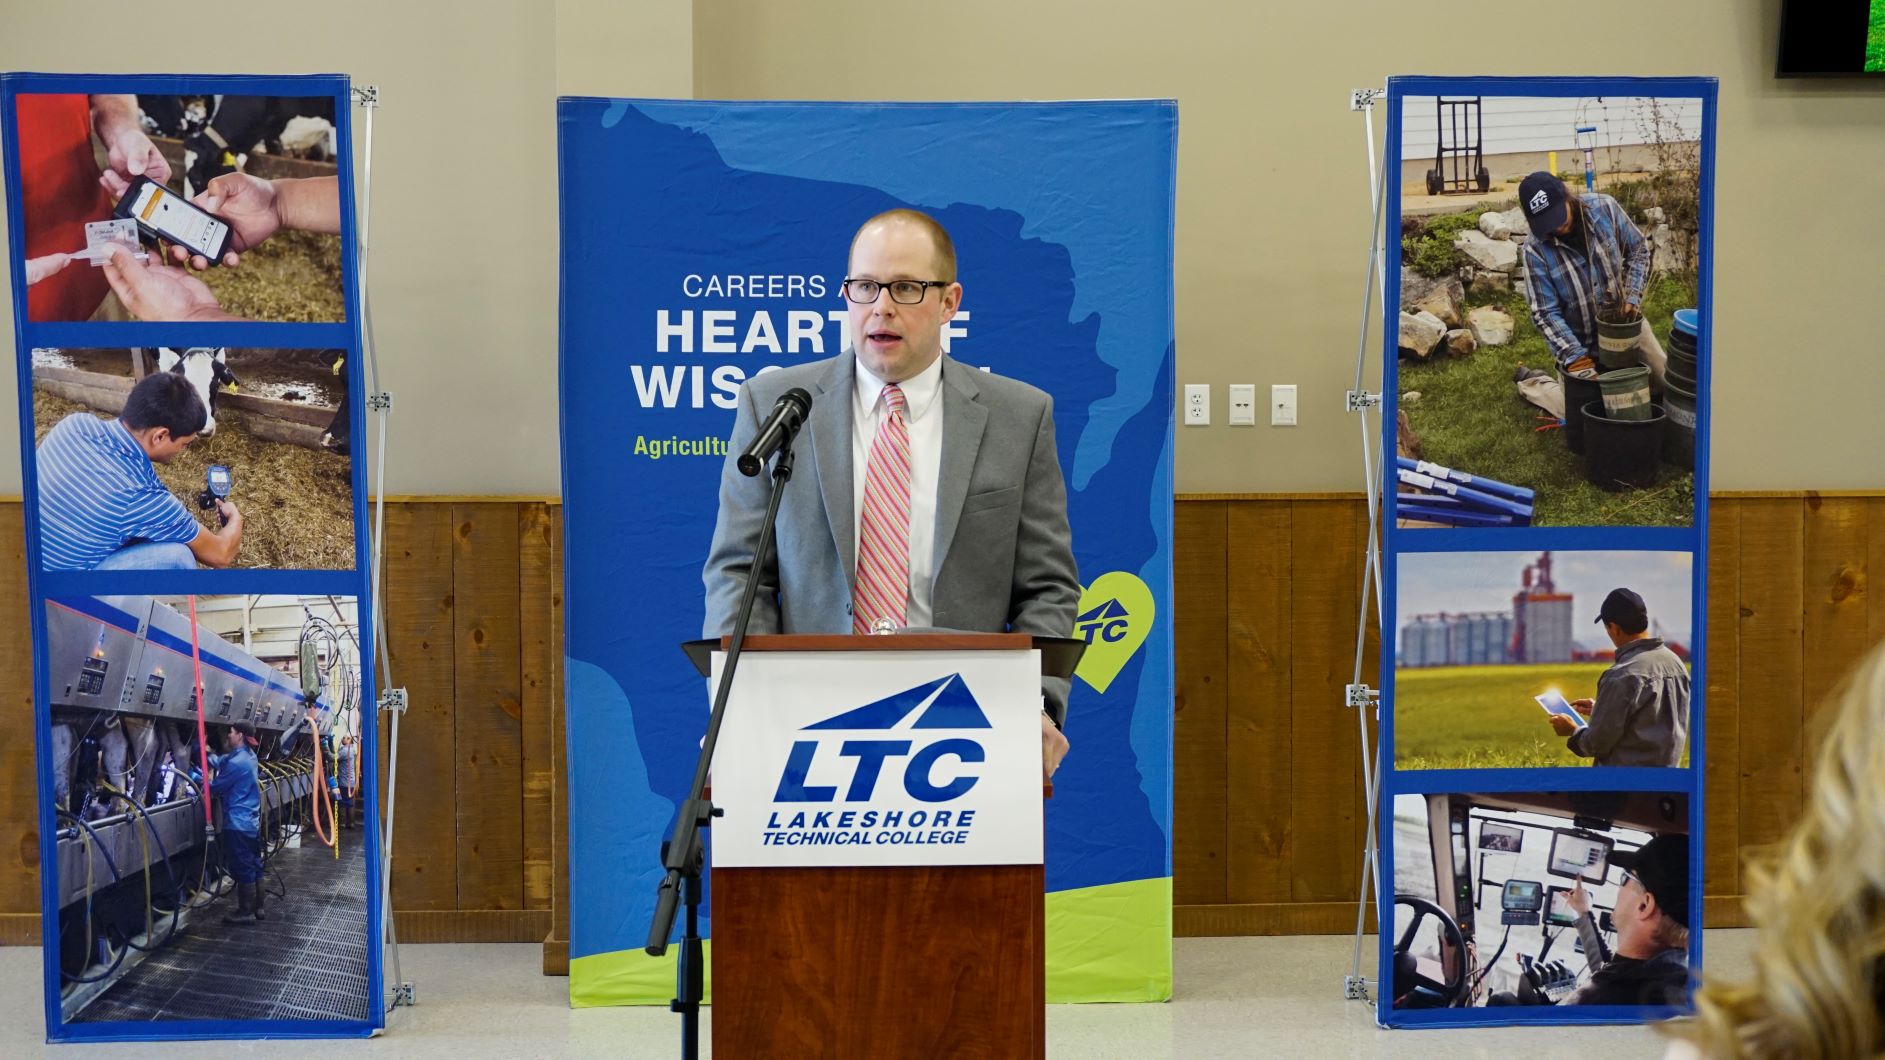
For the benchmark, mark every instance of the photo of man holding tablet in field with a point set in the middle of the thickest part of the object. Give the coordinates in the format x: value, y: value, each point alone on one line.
x: 1641, y: 714
x: 1496, y: 664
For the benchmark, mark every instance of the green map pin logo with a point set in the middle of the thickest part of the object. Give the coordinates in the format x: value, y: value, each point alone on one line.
x: 1116, y: 613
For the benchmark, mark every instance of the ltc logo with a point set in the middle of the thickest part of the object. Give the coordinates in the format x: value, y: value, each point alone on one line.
x: 1116, y: 613
x: 1108, y: 622
x: 946, y: 703
x: 1539, y: 201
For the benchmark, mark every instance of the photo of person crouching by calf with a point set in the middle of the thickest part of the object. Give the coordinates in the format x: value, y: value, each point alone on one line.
x: 101, y: 504
x: 1640, y: 716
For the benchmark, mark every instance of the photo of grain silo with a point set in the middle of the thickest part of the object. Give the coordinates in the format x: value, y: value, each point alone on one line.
x: 1515, y: 659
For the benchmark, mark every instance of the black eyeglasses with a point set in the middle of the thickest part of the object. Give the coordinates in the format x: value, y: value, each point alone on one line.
x: 903, y: 292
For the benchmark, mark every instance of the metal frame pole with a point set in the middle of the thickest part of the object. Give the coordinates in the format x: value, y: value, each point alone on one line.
x: 392, y: 699
x: 1358, y: 696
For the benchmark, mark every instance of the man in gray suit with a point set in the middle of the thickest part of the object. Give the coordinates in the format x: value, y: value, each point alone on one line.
x: 925, y: 493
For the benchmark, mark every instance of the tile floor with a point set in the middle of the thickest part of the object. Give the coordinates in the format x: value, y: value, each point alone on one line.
x: 1236, y: 997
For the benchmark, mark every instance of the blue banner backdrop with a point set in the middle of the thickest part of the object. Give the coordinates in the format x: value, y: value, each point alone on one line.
x: 704, y: 242
x: 1531, y: 122
x: 221, y: 989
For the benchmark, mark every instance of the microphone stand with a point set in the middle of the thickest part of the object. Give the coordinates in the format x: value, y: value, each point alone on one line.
x: 682, y: 854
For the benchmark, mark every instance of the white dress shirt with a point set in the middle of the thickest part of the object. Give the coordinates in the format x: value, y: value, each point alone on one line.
x: 923, y: 412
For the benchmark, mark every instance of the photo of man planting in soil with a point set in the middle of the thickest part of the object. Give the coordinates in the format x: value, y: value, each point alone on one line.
x: 1495, y: 664
x: 180, y: 208
x: 1584, y: 247
x: 170, y: 458
x: 1549, y: 323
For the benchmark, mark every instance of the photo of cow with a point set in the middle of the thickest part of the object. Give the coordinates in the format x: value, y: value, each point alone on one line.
x: 181, y: 458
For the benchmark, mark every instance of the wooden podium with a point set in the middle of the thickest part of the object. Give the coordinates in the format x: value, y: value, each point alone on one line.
x: 882, y: 961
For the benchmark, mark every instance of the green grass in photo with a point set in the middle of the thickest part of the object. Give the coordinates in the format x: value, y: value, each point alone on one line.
x: 1483, y: 717
x: 1470, y: 417
x: 1875, y: 40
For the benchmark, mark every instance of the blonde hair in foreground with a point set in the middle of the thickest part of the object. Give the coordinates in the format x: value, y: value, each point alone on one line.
x: 1818, y: 905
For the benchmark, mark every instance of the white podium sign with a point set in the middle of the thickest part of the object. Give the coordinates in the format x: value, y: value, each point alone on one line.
x: 879, y: 758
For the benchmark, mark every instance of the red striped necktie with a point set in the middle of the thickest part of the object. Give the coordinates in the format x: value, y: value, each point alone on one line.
x: 883, y: 554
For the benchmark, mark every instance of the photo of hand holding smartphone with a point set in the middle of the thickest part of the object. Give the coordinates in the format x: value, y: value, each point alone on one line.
x: 163, y: 214
x: 236, y: 203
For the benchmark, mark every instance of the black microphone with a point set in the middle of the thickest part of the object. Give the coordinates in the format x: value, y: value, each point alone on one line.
x: 788, y: 414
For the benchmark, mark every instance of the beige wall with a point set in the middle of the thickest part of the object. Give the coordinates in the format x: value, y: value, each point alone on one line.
x: 1271, y: 207
x: 640, y: 49
x: 1273, y: 199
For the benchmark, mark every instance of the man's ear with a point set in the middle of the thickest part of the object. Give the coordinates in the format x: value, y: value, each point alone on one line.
x: 951, y: 301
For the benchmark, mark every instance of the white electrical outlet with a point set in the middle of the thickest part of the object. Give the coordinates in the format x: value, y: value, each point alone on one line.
x: 1283, y: 405
x: 1197, y: 404
x: 1243, y: 405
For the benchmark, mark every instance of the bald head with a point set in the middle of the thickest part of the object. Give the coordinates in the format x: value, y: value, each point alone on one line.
x: 945, y: 247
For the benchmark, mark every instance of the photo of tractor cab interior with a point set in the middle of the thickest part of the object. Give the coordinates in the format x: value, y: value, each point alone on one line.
x: 1485, y: 886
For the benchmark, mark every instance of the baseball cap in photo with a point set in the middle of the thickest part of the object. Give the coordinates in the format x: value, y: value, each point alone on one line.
x: 1623, y: 604
x: 1541, y: 196
x: 1662, y: 867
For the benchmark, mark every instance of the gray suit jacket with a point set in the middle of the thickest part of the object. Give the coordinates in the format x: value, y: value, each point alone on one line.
x: 1004, y: 552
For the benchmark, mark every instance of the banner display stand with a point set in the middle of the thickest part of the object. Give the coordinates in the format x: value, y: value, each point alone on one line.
x: 1537, y: 546
x: 705, y: 242
x: 189, y: 293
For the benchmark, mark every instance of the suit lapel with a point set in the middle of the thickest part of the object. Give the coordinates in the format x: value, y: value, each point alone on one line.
x: 830, y: 427
x: 964, y: 417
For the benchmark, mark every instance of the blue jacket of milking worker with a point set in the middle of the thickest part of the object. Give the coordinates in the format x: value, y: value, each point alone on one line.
x: 237, y: 790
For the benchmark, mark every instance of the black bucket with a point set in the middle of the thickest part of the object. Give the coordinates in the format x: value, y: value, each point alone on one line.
x: 1577, y: 393
x: 1679, y: 376
x: 1622, y: 454
x: 1678, y: 440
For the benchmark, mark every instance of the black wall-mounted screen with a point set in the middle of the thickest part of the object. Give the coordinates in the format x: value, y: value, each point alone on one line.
x: 1832, y: 38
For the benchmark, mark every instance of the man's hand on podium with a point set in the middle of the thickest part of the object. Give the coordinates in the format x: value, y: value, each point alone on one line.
x: 1054, y: 746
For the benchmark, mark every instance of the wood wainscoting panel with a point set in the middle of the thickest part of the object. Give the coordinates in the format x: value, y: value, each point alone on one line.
x: 1270, y: 812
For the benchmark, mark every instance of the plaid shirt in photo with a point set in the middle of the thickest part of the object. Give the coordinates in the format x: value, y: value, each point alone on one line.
x: 1567, y: 287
